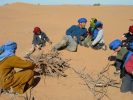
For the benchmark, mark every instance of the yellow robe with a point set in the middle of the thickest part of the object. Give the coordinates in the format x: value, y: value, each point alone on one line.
x: 17, y: 80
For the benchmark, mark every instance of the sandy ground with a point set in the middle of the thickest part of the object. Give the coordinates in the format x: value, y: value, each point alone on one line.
x: 18, y: 20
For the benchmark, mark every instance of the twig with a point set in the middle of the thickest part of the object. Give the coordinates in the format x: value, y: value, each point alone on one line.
x: 106, y: 68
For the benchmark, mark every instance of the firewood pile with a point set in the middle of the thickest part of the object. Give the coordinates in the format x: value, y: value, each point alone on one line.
x: 50, y: 64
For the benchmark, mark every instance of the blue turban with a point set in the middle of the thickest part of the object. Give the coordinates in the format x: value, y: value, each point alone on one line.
x: 98, y: 24
x: 115, y: 44
x: 10, y: 45
x: 82, y: 20
x: 8, y: 50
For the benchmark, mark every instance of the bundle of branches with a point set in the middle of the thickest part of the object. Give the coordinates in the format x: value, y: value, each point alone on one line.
x: 50, y: 64
x: 98, y: 85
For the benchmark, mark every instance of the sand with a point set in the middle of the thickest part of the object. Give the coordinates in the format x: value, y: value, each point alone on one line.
x: 18, y: 20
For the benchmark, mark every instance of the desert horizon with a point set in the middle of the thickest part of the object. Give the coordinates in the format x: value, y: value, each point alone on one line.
x: 69, y: 4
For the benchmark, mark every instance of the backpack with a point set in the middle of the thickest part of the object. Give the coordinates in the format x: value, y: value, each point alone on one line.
x: 129, y: 65
x: 92, y: 25
x: 92, y: 22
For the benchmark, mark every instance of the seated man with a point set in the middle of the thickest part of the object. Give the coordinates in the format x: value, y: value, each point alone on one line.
x: 121, y: 53
x: 124, y: 58
x: 9, y: 78
x: 96, y: 39
x: 74, y: 36
x: 39, y: 41
x: 127, y: 38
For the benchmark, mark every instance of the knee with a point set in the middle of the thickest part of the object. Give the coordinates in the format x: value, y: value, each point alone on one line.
x: 30, y: 73
x: 72, y: 49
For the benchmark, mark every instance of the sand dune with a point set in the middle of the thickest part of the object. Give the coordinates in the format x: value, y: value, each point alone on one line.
x: 18, y: 20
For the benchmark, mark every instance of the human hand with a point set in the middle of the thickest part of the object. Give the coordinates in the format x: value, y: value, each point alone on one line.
x: 50, y: 42
x: 81, y: 38
x: 132, y: 72
x: 38, y: 47
x: 75, y: 38
x: 123, y: 38
x: 92, y: 46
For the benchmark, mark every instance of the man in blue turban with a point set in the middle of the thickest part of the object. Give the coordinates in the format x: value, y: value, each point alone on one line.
x: 116, y: 45
x: 9, y: 78
x: 122, y: 58
x: 74, y: 36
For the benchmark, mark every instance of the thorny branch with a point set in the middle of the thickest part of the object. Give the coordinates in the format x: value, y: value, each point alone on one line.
x: 98, y: 86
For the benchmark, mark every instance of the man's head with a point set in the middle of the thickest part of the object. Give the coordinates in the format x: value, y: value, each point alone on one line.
x: 82, y: 22
x: 115, y: 45
x: 131, y: 29
x: 99, y: 25
x: 37, y: 31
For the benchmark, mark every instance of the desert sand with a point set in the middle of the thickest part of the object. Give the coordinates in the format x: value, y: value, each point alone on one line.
x: 18, y: 20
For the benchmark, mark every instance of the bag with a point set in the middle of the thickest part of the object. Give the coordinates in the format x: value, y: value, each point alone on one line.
x: 92, y: 25
x: 129, y: 65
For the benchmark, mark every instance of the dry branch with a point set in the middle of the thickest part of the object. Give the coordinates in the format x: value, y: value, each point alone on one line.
x: 99, y: 85
x: 50, y: 64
